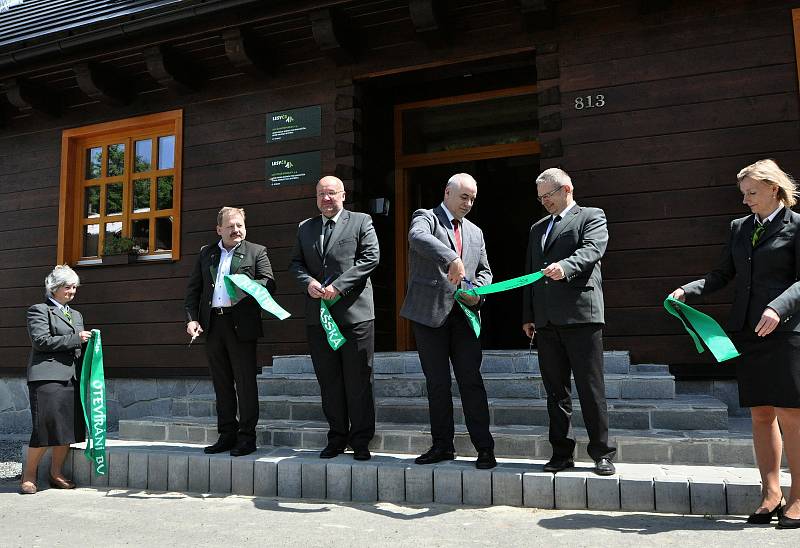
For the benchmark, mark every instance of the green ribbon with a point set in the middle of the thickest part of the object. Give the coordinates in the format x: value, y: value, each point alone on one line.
x: 472, y: 318
x: 702, y: 327
x: 257, y: 291
x: 93, y: 398
x: 332, y: 333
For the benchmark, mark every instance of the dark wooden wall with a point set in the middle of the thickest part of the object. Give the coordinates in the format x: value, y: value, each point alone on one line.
x: 693, y: 92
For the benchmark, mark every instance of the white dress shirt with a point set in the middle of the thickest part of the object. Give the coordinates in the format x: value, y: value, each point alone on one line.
x: 220, y: 297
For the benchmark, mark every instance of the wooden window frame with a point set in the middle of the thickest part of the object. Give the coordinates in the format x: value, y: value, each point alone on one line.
x: 70, y: 212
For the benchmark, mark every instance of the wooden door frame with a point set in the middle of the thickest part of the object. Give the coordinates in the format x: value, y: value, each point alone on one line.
x: 404, y: 162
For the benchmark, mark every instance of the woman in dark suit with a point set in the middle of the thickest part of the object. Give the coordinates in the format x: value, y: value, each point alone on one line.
x: 763, y: 256
x: 56, y: 333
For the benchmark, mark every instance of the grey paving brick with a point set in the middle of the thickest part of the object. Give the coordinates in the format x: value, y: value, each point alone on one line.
x: 364, y: 482
x: 650, y: 388
x: 137, y: 470
x: 672, y: 495
x: 628, y: 419
x: 419, y: 484
x: 742, y: 497
x: 287, y: 438
x: 507, y: 486
x: 644, y: 451
x: 392, y: 483
x: 602, y: 493
x: 178, y: 472
x: 708, y: 498
x: 313, y: 478
x: 199, y: 469
x: 447, y: 484
x: 397, y: 443
x: 538, y: 490
x: 242, y: 476
x: 515, y: 446
x: 290, y: 479
x: 265, y: 478
x: 690, y: 453
x: 118, y: 467
x: 314, y: 440
x: 477, y: 486
x: 694, y: 419
x: 732, y: 451
x: 570, y: 491
x: 197, y: 434
x: 302, y: 411
x: 157, y: 470
x: 339, y: 481
x: 637, y: 494
x: 219, y: 478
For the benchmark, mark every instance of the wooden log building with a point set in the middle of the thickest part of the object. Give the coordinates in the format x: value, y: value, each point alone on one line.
x: 142, y: 118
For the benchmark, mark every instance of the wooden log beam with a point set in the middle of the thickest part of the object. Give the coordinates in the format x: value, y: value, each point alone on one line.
x: 173, y: 71
x: 653, y: 6
x: 333, y: 35
x: 538, y: 14
x: 428, y: 20
x: 103, y: 84
x: 246, y: 53
x: 29, y: 97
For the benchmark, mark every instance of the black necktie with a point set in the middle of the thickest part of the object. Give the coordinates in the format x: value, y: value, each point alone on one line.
x: 552, y: 228
x: 327, y: 233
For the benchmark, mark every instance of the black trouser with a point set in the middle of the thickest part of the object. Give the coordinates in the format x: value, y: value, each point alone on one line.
x: 345, y: 382
x: 576, y: 349
x: 233, y: 372
x: 454, y: 342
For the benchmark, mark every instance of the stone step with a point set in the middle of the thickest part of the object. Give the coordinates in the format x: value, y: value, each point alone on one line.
x: 494, y: 361
x: 298, y: 474
x: 681, y: 413
x: 654, y: 446
x: 629, y: 386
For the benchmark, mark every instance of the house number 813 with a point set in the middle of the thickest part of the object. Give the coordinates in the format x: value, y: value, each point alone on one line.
x: 590, y: 101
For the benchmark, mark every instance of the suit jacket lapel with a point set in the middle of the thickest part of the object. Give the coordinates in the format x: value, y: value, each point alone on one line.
x: 774, y: 227
x: 238, y: 254
x: 315, y: 231
x: 559, y: 227
x: 59, y: 314
x: 448, y: 226
x: 338, y: 228
x: 215, y: 253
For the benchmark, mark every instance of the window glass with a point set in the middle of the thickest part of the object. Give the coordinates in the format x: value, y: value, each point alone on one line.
x: 141, y: 196
x: 144, y: 155
x: 94, y: 165
x: 166, y: 152
x: 116, y: 160
x: 165, y: 192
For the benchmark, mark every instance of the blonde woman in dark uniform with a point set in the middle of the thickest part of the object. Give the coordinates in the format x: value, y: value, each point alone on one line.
x: 762, y: 256
x: 57, y: 334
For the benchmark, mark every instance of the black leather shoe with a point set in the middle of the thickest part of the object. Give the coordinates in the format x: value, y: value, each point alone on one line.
x: 783, y: 521
x: 362, y: 453
x: 330, y: 451
x: 243, y: 448
x: 485, y: 460
x: 557, y: 465
x: 224, y: 443
x: 604, y: 467
x: 434, y: 454
x: 766, y: 517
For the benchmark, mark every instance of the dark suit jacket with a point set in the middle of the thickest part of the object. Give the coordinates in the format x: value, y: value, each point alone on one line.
x: 349, y: 258
x: 431, y: 249
x: 578, y: 243
x: 765, y: 275
x: 56, y: 346
x: 249, y: 259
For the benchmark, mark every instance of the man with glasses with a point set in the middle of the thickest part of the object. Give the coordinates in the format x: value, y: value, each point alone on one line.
x: 446, y: 251
x: 333, y: 256
x: 564, y: 311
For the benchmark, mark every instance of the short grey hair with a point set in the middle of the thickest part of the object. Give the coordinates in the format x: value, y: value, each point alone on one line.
x: 554, y: 175
x: 460, y: 178
x: 226, y: 211
x: 61, y: 275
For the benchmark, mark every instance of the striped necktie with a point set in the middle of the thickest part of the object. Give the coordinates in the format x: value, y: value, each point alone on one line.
x: 758, y: 232
x: 67, y: 314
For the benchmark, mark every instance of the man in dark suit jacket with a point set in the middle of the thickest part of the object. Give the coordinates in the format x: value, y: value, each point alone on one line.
x: 232, y: 326
x: 333, y: 257
x: 444, y: 250
x: 565, y: 313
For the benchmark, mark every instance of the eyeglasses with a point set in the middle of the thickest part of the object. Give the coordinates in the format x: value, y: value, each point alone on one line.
x: 549, y: 194
x: 331, y: 194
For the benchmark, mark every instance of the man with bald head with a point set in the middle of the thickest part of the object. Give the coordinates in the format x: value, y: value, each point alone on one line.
x: 333, y: 256
x: 447, y: 252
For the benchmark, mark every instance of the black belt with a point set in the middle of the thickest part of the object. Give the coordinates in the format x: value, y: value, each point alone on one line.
x: 221, y: 310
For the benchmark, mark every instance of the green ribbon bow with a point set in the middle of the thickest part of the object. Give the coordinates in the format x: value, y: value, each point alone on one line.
x: 257, y: 291
x: 93, y: 399
x: 702, y: 327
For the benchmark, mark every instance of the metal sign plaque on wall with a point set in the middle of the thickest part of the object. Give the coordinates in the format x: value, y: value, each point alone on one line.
x: 292, y: 169
x: 297, y: 123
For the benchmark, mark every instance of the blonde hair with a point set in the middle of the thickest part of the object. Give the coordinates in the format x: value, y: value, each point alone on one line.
x: 225, y: 211
x: 768, y: 172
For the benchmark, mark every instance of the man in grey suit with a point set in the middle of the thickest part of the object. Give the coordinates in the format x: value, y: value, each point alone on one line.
x: 565, y: 312
x: 333, y: 256
x: 445, y: 249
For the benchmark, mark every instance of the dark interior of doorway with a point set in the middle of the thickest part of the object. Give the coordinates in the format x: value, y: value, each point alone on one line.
x: 505, y: 208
